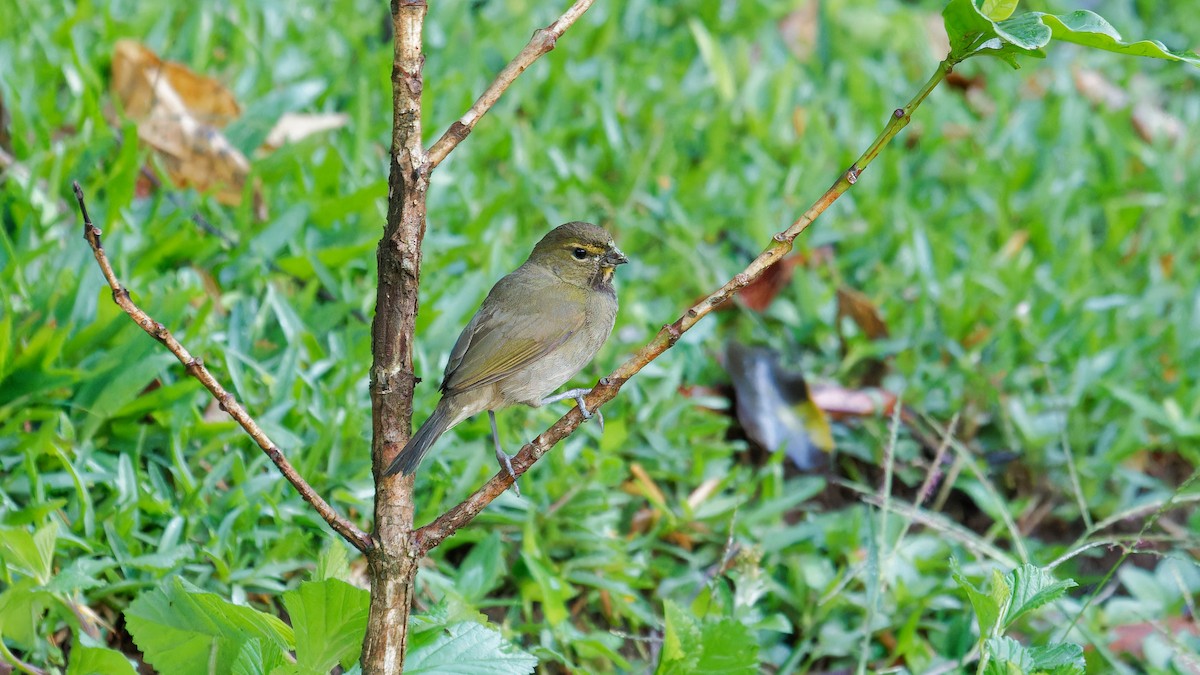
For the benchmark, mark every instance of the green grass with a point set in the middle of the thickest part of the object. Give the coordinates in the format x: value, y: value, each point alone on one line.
x: 1080, y: 340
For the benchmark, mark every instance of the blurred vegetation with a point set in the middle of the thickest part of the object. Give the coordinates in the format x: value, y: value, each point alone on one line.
x: 1034, y: 258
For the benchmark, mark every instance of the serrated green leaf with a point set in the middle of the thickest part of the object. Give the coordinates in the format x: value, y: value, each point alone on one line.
x: 465, y: 648
x: 1032, y: 587
x: 987, y: 606
x: 183, y: 630
x: 81, y: 574
x: 260, y: 657
x: 1062, y: 658
x: 329, y: 619
x: 332, y: 563
x: 98, y: 661
x: 1006, y: 656
x: 728, y: 647
x: 681, y: 641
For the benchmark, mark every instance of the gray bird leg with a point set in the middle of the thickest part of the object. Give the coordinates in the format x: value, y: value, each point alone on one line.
x: 577, y: 395
x: 504, y: 459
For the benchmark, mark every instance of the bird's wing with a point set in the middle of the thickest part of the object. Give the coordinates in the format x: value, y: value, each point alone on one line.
x: 510, y: 331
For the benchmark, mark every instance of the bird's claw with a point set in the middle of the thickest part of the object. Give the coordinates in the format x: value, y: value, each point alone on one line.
x: 506, y: 464
x: 588, y: 414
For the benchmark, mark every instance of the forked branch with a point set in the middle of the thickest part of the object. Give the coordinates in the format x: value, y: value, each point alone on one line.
x: 542, y: 42
x: 195, y: 367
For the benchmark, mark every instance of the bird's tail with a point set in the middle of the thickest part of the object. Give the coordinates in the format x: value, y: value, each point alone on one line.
x: 410, y: 457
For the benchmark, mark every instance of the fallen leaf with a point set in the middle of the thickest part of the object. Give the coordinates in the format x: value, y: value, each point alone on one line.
x: 1131, y: 638
x: 293, y: 127
x: 841, y: 402
x: 774, y: 406
x: 856, y: 305
x: 179, y: 114
x: 1098, y: 90
x: 1153, y: 123
x: 759, y: 293
x: 798, y: 29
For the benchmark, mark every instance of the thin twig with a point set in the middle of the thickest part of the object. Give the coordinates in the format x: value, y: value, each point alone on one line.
x: 781, y: 244
x: 195, y: 368
x: 542, y: 42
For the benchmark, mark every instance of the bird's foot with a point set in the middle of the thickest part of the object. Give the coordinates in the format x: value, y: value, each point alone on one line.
x: 577, y: 396
x: 504, y: 458
x: 506, y: 464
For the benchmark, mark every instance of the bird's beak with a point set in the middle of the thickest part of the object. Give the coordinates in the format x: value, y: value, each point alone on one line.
x: 614, y: 257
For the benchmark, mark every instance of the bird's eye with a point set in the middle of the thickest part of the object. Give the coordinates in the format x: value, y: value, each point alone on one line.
x: 579, y: 253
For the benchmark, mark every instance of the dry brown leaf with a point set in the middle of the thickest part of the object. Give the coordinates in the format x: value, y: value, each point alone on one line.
x: 137, y: 71
x: 1153, y: 123
x: 799, y: 29
x: 179, y: 114
x: 856, y: 305
x: 759, y: 293
x: 293, y: 127
x: 1131, y: 638
x: 1099, y: 90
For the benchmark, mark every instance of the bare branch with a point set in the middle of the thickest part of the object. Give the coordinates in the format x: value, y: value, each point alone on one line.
x: 445, y: 525
x: 195, y: 368
x: 543, y: 41
x: 448, y: 523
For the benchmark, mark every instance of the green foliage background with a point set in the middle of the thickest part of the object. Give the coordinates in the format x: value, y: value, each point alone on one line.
x: 694, y: 132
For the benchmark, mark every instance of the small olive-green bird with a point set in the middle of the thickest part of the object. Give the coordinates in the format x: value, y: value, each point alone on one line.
x: 536, y: 329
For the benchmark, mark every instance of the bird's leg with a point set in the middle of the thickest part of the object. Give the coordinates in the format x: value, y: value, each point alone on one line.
x: 577, y: 395
x: 504, y: 459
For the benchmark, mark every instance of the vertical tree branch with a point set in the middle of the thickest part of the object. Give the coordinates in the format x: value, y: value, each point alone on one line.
x: 393, y: 561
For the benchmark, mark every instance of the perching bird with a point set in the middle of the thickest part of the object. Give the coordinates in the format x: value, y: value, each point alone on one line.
x: 537, y: 328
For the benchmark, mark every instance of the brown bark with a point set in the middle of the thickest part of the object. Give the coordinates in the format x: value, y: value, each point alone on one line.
x: 393, y: 560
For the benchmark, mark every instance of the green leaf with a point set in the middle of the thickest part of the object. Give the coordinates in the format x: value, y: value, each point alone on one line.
x: 81, y: 574
x: 98, y: 661
x: 21, y: 608
x: 183, y: 630
x: 332, y: 563
x: 260, y: 657
x: 987, y: 606
x: 1091, y: 30
x: 1059, y: 659
x: 728, y: 647
x: 715, y: 59
x: 974, y: 31
x: 998, y: 10
x: 30, y: 554
x: 465, y: 648
x: 482, y: 570
x: 329, y: 619
x: 1032, y: 587
x: 1006, y: 656
x: 681, y: 642
x: 710, y: 647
